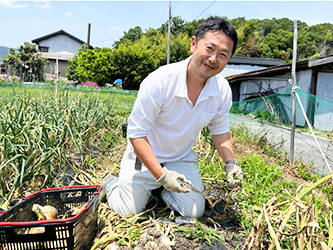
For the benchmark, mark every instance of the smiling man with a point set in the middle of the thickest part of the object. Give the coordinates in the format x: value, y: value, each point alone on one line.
x: 173, y: 104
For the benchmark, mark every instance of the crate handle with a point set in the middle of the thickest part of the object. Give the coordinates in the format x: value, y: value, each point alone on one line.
x: 29, y: 230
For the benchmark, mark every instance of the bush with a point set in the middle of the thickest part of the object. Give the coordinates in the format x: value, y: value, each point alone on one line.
x: 8, y: 78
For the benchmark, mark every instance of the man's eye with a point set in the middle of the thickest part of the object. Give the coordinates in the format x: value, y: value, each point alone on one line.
x: 209, y: 48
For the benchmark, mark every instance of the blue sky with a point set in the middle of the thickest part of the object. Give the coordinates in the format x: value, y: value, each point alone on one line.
x: 23, y: 21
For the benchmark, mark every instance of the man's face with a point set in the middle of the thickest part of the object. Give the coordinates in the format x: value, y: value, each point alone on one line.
x: 211, y: 53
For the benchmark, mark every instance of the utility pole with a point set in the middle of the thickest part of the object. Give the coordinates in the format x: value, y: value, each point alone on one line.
x: 294, y: 85
x: 169, y: 31
x: 88, y: 39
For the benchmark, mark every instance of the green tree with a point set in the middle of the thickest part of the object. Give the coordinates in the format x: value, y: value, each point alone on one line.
x: 265, y: 51
x: 250, y: 50
x: 176, y: 26
x: 130, y: 36
x: 92, y: 65
x: 180, y: 48
x: 191, y: 27
x: 132, y: 64
x: 280, y: 43
x: 26, y: 63
x: 305, y: 45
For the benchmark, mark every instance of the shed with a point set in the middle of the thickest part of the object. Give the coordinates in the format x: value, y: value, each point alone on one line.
x: 313, y: 76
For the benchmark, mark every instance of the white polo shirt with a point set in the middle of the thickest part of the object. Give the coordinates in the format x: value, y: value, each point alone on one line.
x: 165, y: 115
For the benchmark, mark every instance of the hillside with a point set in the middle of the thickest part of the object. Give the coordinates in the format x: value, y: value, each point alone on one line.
x: 3, y: 52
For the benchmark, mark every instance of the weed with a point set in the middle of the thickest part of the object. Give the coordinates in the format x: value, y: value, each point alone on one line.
x: 201, y: 234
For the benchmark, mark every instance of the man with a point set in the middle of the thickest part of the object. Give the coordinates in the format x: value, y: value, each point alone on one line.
x: 173, y: 104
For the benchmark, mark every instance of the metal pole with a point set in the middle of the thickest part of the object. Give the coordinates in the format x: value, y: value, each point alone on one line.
x: 294, y: 85
x: 169, y: 31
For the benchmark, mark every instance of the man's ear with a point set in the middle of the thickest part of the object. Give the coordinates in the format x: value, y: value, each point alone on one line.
x: 193, y: 43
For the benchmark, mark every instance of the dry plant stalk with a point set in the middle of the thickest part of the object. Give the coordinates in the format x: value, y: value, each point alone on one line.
x: 119, y: 227
x: 299, y: 221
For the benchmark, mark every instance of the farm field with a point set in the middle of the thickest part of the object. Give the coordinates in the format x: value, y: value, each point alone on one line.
x: 76, y: 138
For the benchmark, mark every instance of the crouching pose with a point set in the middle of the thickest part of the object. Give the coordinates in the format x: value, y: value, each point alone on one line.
x: 173, y: 104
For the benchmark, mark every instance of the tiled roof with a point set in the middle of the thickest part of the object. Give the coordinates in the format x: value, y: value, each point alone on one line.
x: 268, y: 62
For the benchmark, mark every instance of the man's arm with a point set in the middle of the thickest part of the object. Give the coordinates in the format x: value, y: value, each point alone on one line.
x: 224, y: 147
x: 146, y: 155
x: 168, y: 178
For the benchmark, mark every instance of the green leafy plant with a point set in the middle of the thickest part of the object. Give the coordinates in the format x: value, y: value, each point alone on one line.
x: 201, y: 234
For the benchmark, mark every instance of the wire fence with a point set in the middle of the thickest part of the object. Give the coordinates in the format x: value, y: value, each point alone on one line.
x: 271, y: 116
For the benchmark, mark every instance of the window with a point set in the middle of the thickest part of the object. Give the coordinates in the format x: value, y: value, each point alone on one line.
x: 43, y: 49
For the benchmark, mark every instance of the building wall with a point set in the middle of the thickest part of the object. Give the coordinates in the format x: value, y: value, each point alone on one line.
x: 253, y: 86
x: 323, y: 110
x: 50, y: 69
x: 325, y: 88
x: 61, y: 43
x: 303, y: 80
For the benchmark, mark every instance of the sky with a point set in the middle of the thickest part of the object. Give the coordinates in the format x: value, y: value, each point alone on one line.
x: 23, y: 21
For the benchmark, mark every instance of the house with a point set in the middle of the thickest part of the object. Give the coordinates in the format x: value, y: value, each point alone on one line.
x: 313, y: 76
x: 241, y: 64
x: 58, y: 47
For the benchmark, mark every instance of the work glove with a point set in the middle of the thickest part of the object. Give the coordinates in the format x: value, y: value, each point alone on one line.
x: 232, y: 171
x: 169, y: 180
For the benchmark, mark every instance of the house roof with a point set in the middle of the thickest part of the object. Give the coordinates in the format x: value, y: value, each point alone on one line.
x: 325, y: 63
x: 268, y: 62
x: 60, y: 32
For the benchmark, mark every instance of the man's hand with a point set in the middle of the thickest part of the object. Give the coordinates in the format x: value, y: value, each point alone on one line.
x: 169, y: 180
x: 232, y: 171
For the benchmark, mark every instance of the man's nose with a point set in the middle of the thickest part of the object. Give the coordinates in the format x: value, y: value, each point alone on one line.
x: 212, y: 58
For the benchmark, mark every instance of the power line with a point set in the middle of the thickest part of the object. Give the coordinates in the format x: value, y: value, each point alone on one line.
x: 205, y: 9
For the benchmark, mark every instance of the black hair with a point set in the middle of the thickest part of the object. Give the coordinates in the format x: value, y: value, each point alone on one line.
x: 217, y: 24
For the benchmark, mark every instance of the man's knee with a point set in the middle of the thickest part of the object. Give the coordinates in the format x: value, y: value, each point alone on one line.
x: 122, y: 203
x: 195, y: 210
x: 121, y: 208
x: 187, y: 204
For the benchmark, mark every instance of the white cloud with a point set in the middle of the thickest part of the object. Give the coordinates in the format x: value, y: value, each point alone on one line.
x: 44, y: 6
x: 68, y: 14
x: 13, y: 5
x: 114, y: 28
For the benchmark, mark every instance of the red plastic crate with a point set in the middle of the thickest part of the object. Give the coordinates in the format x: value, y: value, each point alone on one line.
x: 65, y: 233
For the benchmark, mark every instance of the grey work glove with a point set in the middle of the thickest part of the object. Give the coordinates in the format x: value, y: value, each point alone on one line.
x: 232, y: 171
x: 169, y: 180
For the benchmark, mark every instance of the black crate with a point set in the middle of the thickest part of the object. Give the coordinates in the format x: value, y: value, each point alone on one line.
x: 65, y: 233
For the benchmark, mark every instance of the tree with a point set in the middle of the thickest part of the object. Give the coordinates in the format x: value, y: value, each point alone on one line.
x: 132, y: 64
x: 280, y: 43
x: 26, y: 63
x: 176, y: 27
x: 157, y: 44
x: 92, y: 65
x: 132, y: 35
x: 191, y: 27
x: 250, y: 50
